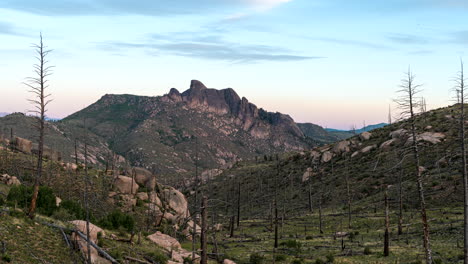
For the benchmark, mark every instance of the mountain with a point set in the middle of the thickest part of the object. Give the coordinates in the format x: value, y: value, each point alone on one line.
x: 344, y: 134
x: 318, y: 133
x: 166, y: 133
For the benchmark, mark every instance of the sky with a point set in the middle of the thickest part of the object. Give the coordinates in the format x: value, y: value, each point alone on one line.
x: 336, y: 63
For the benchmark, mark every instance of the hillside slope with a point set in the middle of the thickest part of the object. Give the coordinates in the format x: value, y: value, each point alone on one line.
x: 370, y: 161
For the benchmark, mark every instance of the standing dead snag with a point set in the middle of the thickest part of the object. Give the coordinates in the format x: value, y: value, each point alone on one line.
x: 38, y: 86
x: 460, y: 89
x: 387, y: 226
x: 407, y: 102
x: 203, y: 237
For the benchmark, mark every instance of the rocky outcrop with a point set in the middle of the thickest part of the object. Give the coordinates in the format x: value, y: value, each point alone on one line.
x: 143, y: 177
x: 227, y: 101
x: 9, y: 180
x: 307, y: 174
x: 164, y: 241
x: 22, y: 145
x: 386, y: 145
x: 126, y: 185
x: 172, y: 246
x: 341, y: 147
x: 93, y: 236
x: 326, y: 156
x: 364, y: 136
x: 430, y: 137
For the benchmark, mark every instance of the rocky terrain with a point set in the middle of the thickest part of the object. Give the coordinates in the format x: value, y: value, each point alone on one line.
x: 166, y: 134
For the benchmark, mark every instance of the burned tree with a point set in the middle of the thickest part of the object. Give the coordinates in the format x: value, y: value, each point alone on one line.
x: 38, y: 87
x: 408, y: 104
x: 460, y: 89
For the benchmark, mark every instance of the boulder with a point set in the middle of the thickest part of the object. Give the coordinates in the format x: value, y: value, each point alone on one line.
x: 399, y: 133
x: 307, y: 174
x: 144, y: 177
x: 326, y: 156
x: 124, y: 185
x: 9, y: 180
x: 315, y: 155
x: 355, y: 153
x: 143, y: 196
x: 368, y: 148
x: 340, y: 147
x: 228, y: 261
x: 58, y: 201
x: 388, y: 143
x: 166, y: 242
x: 22, y: 145
x: 431, y: 137
x: 181, y: 254
x: 176, y: 201
x: 93, y: 234
x: 365, y: 136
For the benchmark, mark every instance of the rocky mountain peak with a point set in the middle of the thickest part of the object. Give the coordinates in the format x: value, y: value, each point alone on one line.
x: 197, y: 85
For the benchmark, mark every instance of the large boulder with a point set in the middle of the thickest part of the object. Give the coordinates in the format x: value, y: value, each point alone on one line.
x: 47, y: 152
x: 365, y: 136
x: 307, y: 174
x: 340, y: 147
x: 80, y: 225
x: 126, y: 185
x: 9, y: 180
x: 431, y: 137
x: 326, y: 156
x: 228, y: 261
x: 399, y: 133
x: 368, y: 148
x: 166, y: 242
x: 387, y: 144
x: 22, y: 145
x: 176, y: 201
x: 144, y: 177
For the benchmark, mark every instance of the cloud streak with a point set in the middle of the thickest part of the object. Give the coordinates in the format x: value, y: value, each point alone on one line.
x: 124, y: 7
x: 209, y: 47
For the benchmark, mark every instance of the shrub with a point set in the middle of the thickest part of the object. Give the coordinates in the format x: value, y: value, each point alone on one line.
x: 159, y: 257
x: 63, y: 215
x: 319, y: 261
x: 6, y: 258
x: 330, y: 258
x: 75, y: 209
x: 297, y: 261
x: 256, y: 258
x: 291, y: 244
x: 21, y: 195
x: 367, y: 251
x: 117, y: 219
x: 280, y: 257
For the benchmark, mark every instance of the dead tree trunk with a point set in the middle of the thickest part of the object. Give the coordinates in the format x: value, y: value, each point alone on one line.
x: 238, y: 203
x: 461, y: 91
x: 203, y: 237
x: 400, y: 201
x: 407, y: 102
x: 387, y: 227
x: 38, y: 86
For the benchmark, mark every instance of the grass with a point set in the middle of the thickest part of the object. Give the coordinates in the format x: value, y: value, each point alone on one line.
x: 29, y: 242
x: 253, y: 237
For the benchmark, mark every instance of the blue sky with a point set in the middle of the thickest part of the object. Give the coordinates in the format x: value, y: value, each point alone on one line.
x: 331, y: 62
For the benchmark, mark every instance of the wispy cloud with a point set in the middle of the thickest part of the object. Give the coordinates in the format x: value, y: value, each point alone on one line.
x: 350, y: 42
x: 408, y: 39
x: 210, y: 47
x: 122, y: 7
x: 9, y: 29
x: 460, y: 37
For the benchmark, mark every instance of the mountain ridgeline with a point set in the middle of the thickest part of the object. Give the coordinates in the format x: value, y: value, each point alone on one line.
x: 167, y: 133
